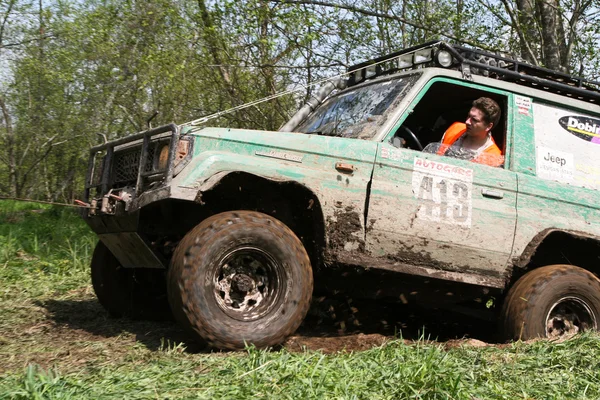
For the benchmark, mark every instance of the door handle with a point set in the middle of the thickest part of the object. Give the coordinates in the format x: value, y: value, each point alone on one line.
x: 492, y: 194
x: 343, y: 167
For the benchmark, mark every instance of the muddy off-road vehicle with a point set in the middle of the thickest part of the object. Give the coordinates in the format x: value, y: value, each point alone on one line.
x: 229, y: 227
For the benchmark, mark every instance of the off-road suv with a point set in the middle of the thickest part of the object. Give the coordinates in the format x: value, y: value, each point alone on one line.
x: 231, y: 225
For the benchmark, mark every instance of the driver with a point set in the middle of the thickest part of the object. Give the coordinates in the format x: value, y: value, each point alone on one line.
x: 472, y: 139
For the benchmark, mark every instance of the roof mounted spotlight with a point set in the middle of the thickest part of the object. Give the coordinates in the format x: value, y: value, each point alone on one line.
x: 405, y: 61
x: 357, y: 76
x: 493, y: 65
x: 423, y: 55
x: 443, y: 58
x: 370, y: 71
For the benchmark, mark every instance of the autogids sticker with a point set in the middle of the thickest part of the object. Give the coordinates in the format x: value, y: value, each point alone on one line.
x: 585, y: 128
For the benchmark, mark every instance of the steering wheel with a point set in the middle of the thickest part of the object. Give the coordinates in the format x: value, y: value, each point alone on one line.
x: 412, y: 136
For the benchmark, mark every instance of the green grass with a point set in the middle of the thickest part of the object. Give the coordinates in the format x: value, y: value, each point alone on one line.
x: 394, y: 371
x: 57, y: 343
x: 43, y: 250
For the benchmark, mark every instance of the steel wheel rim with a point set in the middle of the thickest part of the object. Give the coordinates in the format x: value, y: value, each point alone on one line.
x: 248, y: 283
x: 569, y: 316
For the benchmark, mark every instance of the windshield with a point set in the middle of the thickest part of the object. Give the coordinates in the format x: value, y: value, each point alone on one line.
x: 357, y: 113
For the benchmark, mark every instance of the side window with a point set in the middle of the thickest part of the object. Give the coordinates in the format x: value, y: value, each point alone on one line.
x: 438, y: 124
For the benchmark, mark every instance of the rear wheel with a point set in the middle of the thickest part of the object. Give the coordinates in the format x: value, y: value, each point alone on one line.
x: 134, y: 292
x: 241, y: 278
x: 552, y: 302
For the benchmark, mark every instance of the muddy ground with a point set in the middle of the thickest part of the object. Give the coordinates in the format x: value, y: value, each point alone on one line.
x: 76, y: 331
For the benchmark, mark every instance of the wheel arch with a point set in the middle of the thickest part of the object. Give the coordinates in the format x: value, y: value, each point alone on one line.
x: 559, y: 246
x: 291, y: 202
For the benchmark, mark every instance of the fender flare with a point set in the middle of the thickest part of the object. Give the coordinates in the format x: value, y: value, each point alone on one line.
x: 525, y: 258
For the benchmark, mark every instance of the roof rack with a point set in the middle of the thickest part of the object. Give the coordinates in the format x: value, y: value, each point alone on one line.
x: 474, y: 61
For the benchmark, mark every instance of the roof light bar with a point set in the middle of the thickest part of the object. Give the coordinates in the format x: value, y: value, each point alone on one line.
x: 495, y: 65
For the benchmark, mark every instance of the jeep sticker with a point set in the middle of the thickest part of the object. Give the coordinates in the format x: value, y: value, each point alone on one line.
x: 444, y: 191
x: 554, y: 164
x: 585, y: 128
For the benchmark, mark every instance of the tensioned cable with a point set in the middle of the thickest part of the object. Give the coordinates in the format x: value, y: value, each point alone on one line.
x: 274, y: 96
x: 259, y: 101
x: 192, y: 123
x: 45, y: 202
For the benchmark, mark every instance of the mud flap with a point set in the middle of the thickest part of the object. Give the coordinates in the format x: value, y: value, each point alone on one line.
x: 131, y: 250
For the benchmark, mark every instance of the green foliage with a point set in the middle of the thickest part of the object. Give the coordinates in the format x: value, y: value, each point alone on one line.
x: 39, y: 384
x: 75, y: 69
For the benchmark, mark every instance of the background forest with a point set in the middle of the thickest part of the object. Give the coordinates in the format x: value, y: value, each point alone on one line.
x: 73, y: 69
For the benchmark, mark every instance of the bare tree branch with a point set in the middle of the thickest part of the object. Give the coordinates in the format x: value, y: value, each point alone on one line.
x: 37, y: 39
x: 11, y: 4
x: 382, y: 15
x: 33, y: 165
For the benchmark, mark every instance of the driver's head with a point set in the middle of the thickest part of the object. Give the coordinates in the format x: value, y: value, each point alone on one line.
x: 483, y: 116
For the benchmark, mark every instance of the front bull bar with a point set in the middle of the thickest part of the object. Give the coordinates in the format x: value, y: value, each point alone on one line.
x: 109, y: 147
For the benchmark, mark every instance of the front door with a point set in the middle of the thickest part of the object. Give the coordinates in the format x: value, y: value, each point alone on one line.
x: 441, y: 212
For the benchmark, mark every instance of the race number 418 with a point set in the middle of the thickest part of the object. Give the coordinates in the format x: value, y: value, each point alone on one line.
x: 443, y: 194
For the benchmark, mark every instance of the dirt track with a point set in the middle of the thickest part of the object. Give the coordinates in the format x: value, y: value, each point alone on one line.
x: 75, y: 330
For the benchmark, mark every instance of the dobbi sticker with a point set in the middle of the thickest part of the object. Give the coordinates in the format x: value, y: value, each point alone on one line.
x: 583, y: 127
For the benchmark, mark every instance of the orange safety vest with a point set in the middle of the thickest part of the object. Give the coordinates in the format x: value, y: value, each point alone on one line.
x: 491, y: 155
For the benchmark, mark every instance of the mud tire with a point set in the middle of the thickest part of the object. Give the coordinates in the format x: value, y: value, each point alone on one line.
x: 138, y: 293
x: 223, y: 260
x: 537, y: 304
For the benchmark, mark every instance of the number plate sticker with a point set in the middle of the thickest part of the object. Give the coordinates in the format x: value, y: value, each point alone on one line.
x: 444, y: 192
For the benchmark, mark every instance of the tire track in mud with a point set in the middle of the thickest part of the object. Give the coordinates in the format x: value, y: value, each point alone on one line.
x: 341, y: 322
x: 334, y: 323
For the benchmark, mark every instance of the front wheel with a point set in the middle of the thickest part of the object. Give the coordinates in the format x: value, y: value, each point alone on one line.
x: 241, y: 278
x: 552, y: 302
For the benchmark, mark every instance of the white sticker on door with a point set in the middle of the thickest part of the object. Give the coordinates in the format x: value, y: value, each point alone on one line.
x: 554, y: 164
x: 444, y: 192
x: 523, y: 104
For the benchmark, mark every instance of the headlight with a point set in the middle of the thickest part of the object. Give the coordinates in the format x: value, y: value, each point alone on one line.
x: 422, y: 56
x: 405, y: 61
x: 163, y: 157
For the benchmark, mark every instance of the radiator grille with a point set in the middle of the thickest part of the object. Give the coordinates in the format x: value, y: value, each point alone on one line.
x: 126, y: 165
x: 127, y: 161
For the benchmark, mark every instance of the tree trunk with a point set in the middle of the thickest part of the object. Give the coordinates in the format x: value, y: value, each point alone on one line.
x: 210, y: 35
x: 526, y: 19
x: 9, y: 148
x: 549, y: 23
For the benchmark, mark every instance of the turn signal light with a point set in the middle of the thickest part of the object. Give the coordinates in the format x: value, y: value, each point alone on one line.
x: 163, y: 155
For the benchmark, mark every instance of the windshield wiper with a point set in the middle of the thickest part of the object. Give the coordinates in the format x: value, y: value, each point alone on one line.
x: 321, y: 133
